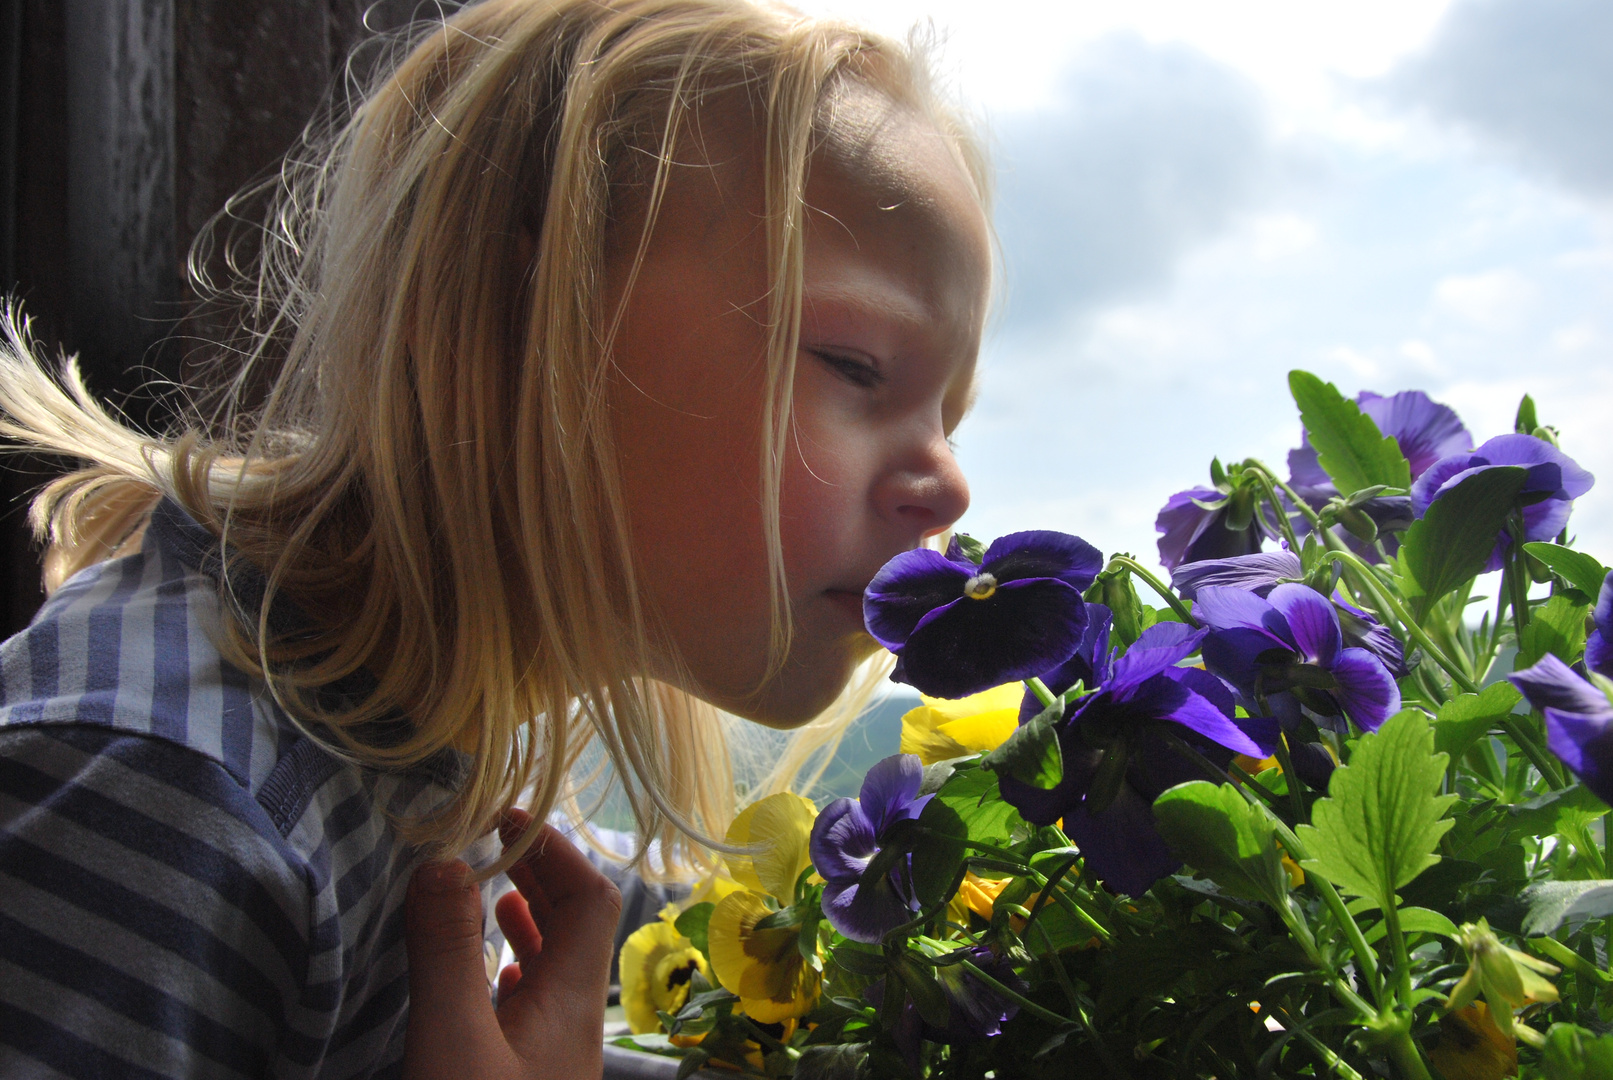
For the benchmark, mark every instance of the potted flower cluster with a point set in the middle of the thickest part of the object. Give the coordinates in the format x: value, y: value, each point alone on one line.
x: 1314, y: 807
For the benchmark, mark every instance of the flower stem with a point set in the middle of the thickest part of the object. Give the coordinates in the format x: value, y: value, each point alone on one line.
x: 1387, y: 603
x: 1296, y: 797
x: 1408, y: 1060
x: 1039, y: 688
x: 1158, y: 586
x: 1023, y: 1002
x: 1326, y: 1052
x: 1277, y: 508
x: 1299, y: 504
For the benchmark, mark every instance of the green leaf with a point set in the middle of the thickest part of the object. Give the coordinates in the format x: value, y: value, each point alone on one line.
x: 972, y: 549
x: 1464, y: 719
x: 1413, y: 920
x: 1556, y: 627
x: 1217, y: 832
x: 1031, y: 754
x: 1348, y: 444
x: 937, y: 856
x: 972, y: 792
x: 1573, y: 808
x: 1552, y: 903
x: 693, y: 923
x: 1575, y: 567
x: 1452, y: 542
x: 1525, y: 422
x: 1572, y: 1053
x: 1378, y: 827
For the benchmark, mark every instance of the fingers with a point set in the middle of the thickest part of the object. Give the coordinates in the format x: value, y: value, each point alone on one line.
x: 448, y: 1003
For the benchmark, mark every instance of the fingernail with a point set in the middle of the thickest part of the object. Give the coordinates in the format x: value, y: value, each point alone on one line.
x: 441, y: 879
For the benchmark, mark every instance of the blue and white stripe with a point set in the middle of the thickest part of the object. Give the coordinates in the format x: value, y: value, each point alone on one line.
x: 188, y: 885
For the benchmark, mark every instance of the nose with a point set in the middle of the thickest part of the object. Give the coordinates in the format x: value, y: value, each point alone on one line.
x: 927, y: 492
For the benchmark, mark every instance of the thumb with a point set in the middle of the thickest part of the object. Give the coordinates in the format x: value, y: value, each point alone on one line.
x: 449, y: 1004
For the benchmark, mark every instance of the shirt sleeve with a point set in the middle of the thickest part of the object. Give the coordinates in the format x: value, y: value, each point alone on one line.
x: 152, y: 921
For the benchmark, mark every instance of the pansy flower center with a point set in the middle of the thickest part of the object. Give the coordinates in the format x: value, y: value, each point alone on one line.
x: 980, y: 587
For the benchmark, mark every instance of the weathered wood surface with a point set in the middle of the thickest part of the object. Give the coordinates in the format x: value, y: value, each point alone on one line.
x: 125, y: 125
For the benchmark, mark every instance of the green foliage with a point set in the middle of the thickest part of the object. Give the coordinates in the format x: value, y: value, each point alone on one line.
x: 1031, y: 754
x: 1452, y: 542
x: 1557, y: 627
x: 1553, y: 903
x: 693, y: 923
x: 971, y: 792
x: 1572, y: 1053
x: 1216, y: 831
x: 1348, y: 444
x: 1575, y: 568
x: 1381, y: 821
x: 1464, y: 719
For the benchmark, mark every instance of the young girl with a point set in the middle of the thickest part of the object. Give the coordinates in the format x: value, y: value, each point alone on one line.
x: 618, y: 345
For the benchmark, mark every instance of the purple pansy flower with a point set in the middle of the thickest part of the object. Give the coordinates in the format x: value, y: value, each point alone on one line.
x: 958, y: 628
x: 1191, y: 533
x: 1554, y: 481
x: 848, y: 835
x: 1426, y: 431
x: 974, y: 1010
x: 1579, y: 720
x: 1138, y: 696
x: 1263, y: 572
x: 1598, y: 649
x: 1288, y: 650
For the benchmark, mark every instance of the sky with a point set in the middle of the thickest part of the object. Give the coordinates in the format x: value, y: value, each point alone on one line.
x: 1196, y: 196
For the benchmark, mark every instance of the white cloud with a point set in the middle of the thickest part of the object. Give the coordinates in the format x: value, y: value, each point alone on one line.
x: 1534, y: 77
x: 1497, y: 300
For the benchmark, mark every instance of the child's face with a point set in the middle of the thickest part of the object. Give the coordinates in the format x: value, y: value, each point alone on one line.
x: 897, y: 274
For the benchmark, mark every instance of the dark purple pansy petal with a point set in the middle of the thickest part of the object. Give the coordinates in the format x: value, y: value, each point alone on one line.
x: 1234, y: 609
x: 1311, y: 621
x: 1042, y: 807
x: 1552, y: 684
x: 1258, y: 573
x: 1425, y: 429
x: 1235, y: 655
x: 1362, y: 631
x: 1313, y: 763
x: 1603, y: 612
x: 976, y: 1011
x: 1121, y: 847
x: 908, y: 588
x: 1367, y: 692
x: 842, y: 841
x: 864, y: 910
x: 1023, y: 629
x: 890, y: 792
x: 1043, y: 554
x: 1207, y: 686
x: 1599, y: 645
x: 1090, y: 665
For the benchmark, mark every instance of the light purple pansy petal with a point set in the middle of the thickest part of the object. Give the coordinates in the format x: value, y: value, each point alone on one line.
x: 1552, y: 684
x: 1168, y: 699
x: 1529, y: 451
x: 1367, y: 692
x: 1585, y: 744
x: 890, y: 791
x: 1182, y: 521
x: 908, y: 588
x: 1158, y: 649
x: 864, y: 911
x: 1599, y: 645
x: 1258, y: 573
x: 1436, y: 476
x: 1603, y: 611
x: 1311, y: 620
x: 1043, y: 554
x: 1230, y: 609
x: 842, y: 841
x: 1425, y: 429
x: 1305, y: 470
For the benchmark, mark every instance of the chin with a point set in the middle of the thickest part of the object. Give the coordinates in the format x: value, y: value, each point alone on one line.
x: 806, y: 686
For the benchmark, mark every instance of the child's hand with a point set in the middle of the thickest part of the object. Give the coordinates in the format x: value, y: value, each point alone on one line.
x: 560, y: 922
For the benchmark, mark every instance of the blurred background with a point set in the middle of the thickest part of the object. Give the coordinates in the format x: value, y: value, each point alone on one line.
x: 1193, y: 197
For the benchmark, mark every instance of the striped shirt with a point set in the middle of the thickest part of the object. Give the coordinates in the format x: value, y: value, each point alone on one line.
x: 188, y: 885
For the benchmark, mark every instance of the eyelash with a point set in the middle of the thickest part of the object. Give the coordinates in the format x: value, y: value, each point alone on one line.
x: 858, y: 372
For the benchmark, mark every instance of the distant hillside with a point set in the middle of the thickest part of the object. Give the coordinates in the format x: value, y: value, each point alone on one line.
x: 876, y: 734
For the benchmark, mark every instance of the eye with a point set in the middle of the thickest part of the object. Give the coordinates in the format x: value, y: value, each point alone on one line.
x: 855, y: 369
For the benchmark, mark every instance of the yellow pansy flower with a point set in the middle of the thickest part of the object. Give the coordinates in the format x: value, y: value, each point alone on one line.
x: 656, y: 964
x: 976, y: 894
x: 763, y: 967
x: 940, y: 729
x: 1472, y: 1047
x: 781, y: 825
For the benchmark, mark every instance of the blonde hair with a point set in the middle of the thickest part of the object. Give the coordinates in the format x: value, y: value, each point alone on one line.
x: 447, y: 518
